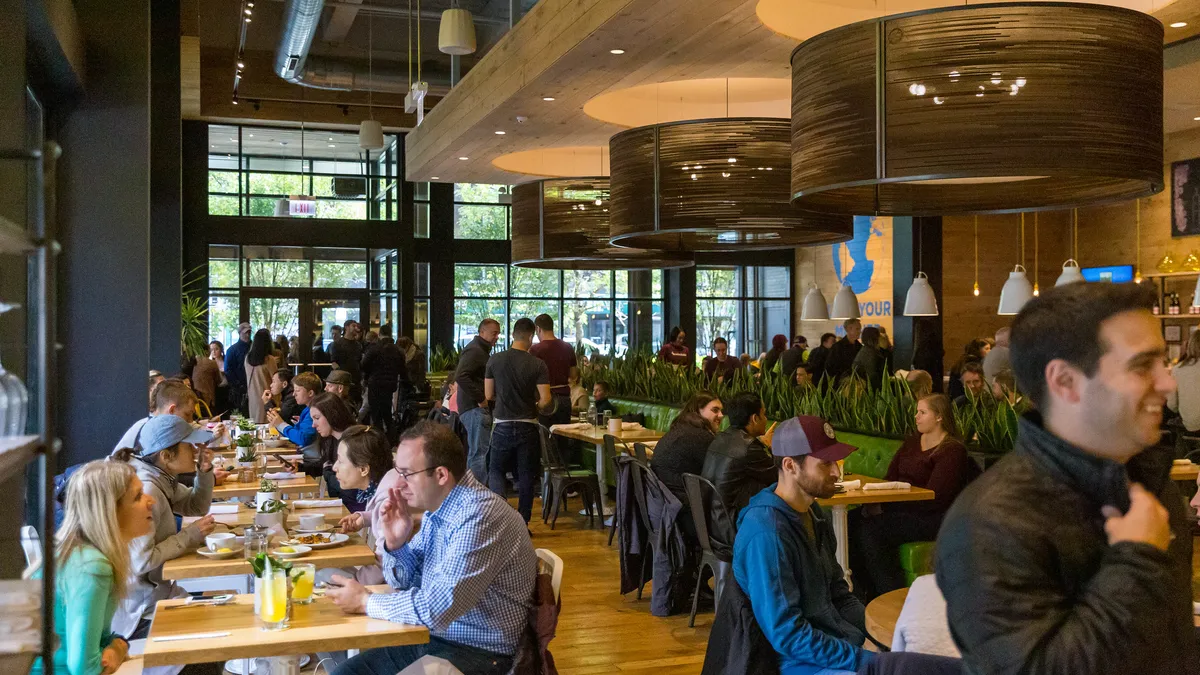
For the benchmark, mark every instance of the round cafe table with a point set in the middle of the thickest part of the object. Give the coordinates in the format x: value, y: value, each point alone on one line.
x: 882, y: 614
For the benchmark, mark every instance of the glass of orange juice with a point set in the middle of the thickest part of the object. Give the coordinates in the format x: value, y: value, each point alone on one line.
x: 275, y: 607
x: 303, y: 577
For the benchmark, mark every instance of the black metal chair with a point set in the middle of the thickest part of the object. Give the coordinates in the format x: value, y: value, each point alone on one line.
x: 638, y: 474
x: 610, y: 448
x: 704, y: 501
x: 560, y: 478
x: 639, y: 451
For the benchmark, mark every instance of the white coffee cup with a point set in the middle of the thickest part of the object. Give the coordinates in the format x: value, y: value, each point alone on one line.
x: 219, y: 540
x: 311, y: 521
x: 614, y: 426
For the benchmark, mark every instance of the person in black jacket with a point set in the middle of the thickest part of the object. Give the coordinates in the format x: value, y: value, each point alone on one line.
x: 738, y: 461
x: 1073, y: 553
x: 473, y: 408
x: 384, y: 370
x: 818, y: 356
x: 683, y: 449
x: 793, y: 358
x: 842, y: 353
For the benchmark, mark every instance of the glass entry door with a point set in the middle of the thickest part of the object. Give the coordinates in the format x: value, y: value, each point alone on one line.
x: 305, y: 318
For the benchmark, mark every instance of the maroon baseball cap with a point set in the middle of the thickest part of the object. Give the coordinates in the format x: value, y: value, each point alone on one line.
x: 808, y: 435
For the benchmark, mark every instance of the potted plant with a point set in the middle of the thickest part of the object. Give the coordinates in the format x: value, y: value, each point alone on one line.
x: 271, y: 513
x: 245, y: 452
x: 268, y: 490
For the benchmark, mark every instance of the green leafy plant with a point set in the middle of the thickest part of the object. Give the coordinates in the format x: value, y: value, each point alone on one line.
x: 271, y: 505
x: 246, y: 424
x: 266, y: 485
x: 193, y: 314
x: 246, y: 441
x: 259, y: 564
x: 442, y: 359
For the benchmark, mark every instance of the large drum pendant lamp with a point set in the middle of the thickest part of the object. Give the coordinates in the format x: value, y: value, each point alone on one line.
x: 562, y: 223
x: 711, y: 185
x: 979, y: 108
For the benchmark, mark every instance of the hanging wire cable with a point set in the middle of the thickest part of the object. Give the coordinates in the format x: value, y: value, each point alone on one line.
x: 1022, y: 240
x: 976, y: 256
x: 1075, y: 234
x: 410, y: 45
x: 371, y: 65
x: 1035, y: 253
x: 1137, y: 275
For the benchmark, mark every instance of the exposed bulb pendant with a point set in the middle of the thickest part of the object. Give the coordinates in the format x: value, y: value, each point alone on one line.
x: 1137, y: 274
x: 1035, y: 255
x: 977, y: 256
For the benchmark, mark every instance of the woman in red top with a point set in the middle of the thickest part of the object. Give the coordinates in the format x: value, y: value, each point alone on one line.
x: 933, y: 458
x: 675, y: 351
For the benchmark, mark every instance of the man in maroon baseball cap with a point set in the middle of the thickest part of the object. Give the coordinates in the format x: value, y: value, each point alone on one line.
x: 783, y: 557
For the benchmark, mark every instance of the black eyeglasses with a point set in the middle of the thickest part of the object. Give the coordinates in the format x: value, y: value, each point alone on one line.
x: 413, y: 473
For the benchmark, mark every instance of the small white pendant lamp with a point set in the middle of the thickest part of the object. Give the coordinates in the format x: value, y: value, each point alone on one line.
x: 920, y: 300
x: 456, y: 35
x: 814, y: 308
x: 370, y: 135
x: 1016, y: 292
x: 845, y: 304
x: 1070, y: 273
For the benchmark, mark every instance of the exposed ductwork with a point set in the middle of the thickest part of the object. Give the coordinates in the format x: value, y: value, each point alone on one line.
x: 293, y: 63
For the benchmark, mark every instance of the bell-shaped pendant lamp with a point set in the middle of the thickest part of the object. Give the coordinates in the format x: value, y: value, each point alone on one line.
x: 1016, y: 292
x: 370, y: 135
x: 1070, y: 273
x: 845, y: 304
x: 456, y: 35
x: 920, y: 300
x: 814, y: 308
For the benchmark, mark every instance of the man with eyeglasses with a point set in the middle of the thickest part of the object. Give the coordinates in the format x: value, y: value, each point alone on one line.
x: 467, y: 574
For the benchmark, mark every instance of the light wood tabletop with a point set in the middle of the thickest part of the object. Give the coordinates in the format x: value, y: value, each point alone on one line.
x: 192, y: 565
x: 883, y: 613
x: 860, y: 496
x: 245, y: 516
x: 286, y: 487
x: 317, y: 627
x: 1185, y: 472
x: 595, y: 435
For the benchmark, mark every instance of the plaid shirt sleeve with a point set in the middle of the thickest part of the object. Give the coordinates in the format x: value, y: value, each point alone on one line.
x: 469, y: 560
x: 402, y: 567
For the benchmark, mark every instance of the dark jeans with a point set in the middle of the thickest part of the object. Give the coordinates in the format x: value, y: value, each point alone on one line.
x: 516, y: 447
x: 391, y: 660
x: 911, y: 663
x: 379, y: 410
x: 874, y: 548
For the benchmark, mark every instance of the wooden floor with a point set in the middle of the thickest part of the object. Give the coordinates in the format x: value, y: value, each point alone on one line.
x: 601, y: 631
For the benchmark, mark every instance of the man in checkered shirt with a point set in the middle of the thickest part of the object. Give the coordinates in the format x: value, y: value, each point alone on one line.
x: 467, y: 575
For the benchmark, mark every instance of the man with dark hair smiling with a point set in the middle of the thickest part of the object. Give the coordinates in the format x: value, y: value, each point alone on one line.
x: 467, y: 574
x: 1073, y: 554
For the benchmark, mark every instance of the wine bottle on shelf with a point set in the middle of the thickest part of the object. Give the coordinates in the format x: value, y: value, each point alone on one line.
x: 1156, y: 308
x: 1175, y: 304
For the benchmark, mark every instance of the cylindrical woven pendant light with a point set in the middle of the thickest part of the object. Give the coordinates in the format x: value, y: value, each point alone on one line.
x: 563, y: 224
x: 456, y: 34
x: 711, y: 185
x: 982, y: 108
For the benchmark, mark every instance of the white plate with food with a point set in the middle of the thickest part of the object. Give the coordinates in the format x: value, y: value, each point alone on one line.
x: 318, y: 540
x: 312, y: 530
x: 221, y: 553
x: 291, y: 551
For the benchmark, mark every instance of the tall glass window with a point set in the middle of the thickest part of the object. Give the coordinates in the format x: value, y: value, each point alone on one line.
x: 481, y: 211
x: 289, y: 173
x: 421, y: 210
x: 744, y: 305
x: 480, y: 292
x: 421, y: 303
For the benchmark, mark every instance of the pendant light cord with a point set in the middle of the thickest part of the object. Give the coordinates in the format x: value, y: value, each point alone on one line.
x: 1022, y: 240
x: 1075, y: 235
x: 1035, y: 250
x: 976, y: 253
x: 418, y: 40
x: 371, y: 64
x: 1138, y: 240
x: 410, y: 15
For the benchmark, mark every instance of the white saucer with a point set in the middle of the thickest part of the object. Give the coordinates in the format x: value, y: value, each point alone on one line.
x: 298, y: 551
x: 304, y: 530
x: 220, y: 556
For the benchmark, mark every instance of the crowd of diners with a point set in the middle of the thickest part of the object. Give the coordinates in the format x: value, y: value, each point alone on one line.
x: 1070, y: 555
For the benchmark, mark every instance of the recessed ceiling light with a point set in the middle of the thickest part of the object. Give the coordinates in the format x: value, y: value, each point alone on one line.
x: 332, y: 145
x: 547, y: 98
x: 331, y: 138
x: 618, y: 52
x: 464, y: 158
x: 433, y: 178
x: 1179, y: 24
x: 499, y: 133
x: 1196, y: 119
x: 241, y: 64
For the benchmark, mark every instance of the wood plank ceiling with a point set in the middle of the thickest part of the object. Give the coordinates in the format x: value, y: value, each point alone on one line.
x: 561, y: 49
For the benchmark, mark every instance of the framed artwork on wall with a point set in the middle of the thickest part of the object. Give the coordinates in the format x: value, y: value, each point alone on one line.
x: 1185, y: 198
x: 1173, y: 333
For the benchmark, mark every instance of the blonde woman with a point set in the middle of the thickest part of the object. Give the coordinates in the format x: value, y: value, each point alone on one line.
x: 106, y: 509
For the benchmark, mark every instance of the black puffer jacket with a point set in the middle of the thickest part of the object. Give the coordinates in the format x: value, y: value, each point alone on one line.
x: 1031, y: 584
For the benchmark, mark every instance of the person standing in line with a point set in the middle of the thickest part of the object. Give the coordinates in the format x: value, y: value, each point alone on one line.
x: 519, y: 385
x: 559, y: 358
x: 235, y: 369
x: 473, y: 408
x: 260, y: 367
x: 1073, y: 554
x: 346, y: 353
x: 841, y: 355
x: 384, y: 369
x: 675, y: 351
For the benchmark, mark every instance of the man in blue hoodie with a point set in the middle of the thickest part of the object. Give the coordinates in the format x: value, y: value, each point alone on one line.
x: 783, y: 557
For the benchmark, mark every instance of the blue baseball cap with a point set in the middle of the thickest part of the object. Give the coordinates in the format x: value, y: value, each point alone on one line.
x: 808, y: 435
x: 165, y: 431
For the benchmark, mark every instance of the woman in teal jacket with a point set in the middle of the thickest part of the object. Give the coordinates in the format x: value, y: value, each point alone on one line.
x: 106, y: 509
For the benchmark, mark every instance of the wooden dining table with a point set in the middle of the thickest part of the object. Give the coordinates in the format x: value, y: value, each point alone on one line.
x: 291, y: 486
x: 838, y: 503
x: 317, y: 627
x: 595, y: 436
x: 882, y: 614
x: 192, y: 565
x: 245, y: 516
x: 1185, y: 472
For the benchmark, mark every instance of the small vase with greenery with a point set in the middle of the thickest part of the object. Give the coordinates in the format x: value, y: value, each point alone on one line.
x: 267, y: 491
x: 245, y: 452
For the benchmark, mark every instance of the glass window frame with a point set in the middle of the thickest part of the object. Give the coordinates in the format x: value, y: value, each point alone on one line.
x: 746, y: 298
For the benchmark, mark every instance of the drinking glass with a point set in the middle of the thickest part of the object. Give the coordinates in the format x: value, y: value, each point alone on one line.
x: 275, y: 608
x: 303, y: 576
x: 256, y: 540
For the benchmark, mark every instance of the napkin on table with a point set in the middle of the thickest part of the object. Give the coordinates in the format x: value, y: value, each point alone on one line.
x: 315, y: 503
x: 280, y: 475
x: 216, y: 509
x: 631, y: 426
x: 578, y: 426
x: 851, y: 485
x: 890, y: 485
